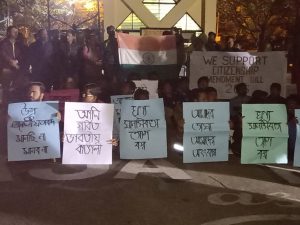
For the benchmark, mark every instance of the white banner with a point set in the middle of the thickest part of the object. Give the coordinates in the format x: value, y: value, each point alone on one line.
x: 226, y: 69
x: 150, y: 85
x: 88, y: 128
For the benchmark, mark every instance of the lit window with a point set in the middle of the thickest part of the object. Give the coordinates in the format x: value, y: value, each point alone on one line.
x: 132, y: 22
x: 159, y: 8
x: 187, y: 23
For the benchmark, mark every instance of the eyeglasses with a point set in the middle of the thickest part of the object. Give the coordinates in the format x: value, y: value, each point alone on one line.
x: 87, y: 95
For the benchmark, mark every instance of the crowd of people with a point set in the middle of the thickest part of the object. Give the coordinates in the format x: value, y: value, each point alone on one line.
x: 93, y: 67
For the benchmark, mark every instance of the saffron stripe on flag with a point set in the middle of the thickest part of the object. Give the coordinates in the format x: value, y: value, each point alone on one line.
x: 146, y: 43
x: 134, y: 57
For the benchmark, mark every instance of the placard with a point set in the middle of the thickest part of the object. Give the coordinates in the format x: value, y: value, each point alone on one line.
x: 87, y: 131
x: 33, y: 131
x: 226, y: 69
x: 143, y: 129
x: 297, y: 145
x: 265, y: 134
x: 206, y: 132
x: 117, y: 101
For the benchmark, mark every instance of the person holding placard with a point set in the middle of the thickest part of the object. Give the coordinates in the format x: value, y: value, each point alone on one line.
x: 128, y: 88
x: 200, y: 96
x: 292, y: 105
x: 275, y: 95
x: 212, y: 94
x: 92, y: 94
x: 141, y: 94
x: 36, y: 91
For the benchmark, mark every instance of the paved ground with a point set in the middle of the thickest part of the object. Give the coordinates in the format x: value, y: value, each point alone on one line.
x: 157, y: 192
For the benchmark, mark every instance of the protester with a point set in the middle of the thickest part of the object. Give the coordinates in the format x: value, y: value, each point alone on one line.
x: 212, y: 94
x: 258, y: 97
x: 211, y: 44
x: 292, y: 104
x: 275, y: 97
x: 236, y: 116
x: 202, y: 84
x: 241, y: 98
x: 111, y: 56
x: 231, y: 45
x: 36, y: 91
x: 90, y: 93
x: 128, y: 88
x: 71, y: 50
x: 201, y: 96
x: 182, y: 91
x: 69, y: 83
x: 92, y: 63
x: 40, y: 59
x: 141, y: 94
x: 166, y: 92
x: 11, y: 58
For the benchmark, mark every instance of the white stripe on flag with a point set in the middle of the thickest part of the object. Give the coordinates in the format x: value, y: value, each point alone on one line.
x: 157, y: 58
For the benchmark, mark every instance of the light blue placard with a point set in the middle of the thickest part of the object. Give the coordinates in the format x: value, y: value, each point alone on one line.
x: 33, y: 131
x: 206, y: 132
x: 297, y: 146
x: 117, y: 101
x: 143, y: 129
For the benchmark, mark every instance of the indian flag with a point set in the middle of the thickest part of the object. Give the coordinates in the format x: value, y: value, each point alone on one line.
x: 148, y: 54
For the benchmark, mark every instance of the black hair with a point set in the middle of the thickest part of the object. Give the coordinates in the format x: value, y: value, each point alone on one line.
x: 140, y: 92
x: 131, y: 84
x: 239, y: 86
x: 8, y: 30
x: 211, y: 33
x: 40, y: 84
x: 204, y: 78
x: 197, y: 92
x: 211, y: 89
x: 276, y: 86
x: 93, y: 88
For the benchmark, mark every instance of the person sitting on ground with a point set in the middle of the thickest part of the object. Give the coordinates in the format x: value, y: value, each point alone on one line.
x: 212, y: 94
x: 241, y: 98
x: 202, y: 84
x: 292, y: 104
x: 201, y: 96
x: 35, y: 92
x: 128, y: 88
x: 141, y: 94
x: 182, y: 91
x: 274, y: 97
x: 90, y: 93
x: 165, y: 91
x: 236, y: 116
x: 258, y: 97
x: 69, y: 83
